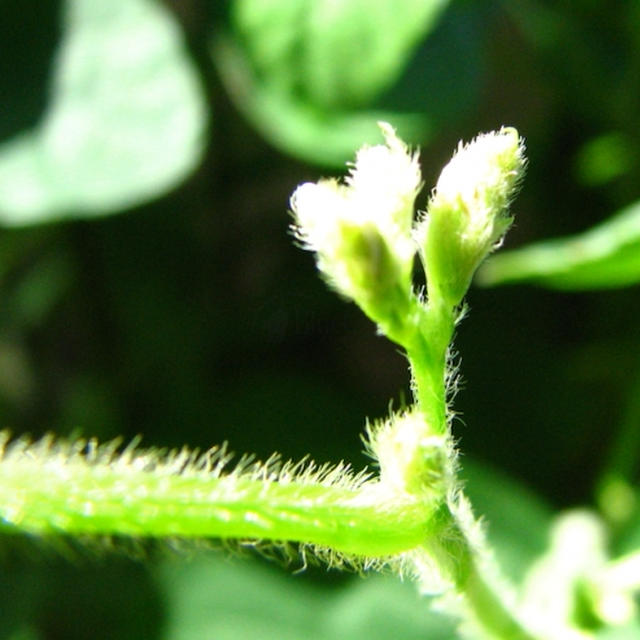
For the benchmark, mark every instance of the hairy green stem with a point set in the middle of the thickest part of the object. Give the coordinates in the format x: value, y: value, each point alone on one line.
x: 42, y: 495
x: 427, y: 352
x: 428, y: 355
x: 489, y: 609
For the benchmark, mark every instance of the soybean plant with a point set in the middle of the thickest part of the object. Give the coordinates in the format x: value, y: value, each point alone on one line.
x: 410, y: 515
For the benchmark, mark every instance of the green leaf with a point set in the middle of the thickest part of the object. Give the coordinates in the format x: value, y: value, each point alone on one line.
x: 125, y: 120
x: 517, y: 520
x: 608, y: 255
x: 627, y: 539
x: 230, y: 600
x: 604, y: 158
x: 300, y: 128
x: 306, y: 72
x: 334, y: 54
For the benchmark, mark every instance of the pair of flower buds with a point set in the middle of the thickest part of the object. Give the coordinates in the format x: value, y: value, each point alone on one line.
x: 363, y: 229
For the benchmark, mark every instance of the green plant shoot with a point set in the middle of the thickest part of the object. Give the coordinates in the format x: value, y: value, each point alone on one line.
x: 412, y: 515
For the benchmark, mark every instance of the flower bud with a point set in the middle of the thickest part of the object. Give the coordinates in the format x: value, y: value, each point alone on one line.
x: 413, y: 459
x: 361, y: 230
x: 467, y: 215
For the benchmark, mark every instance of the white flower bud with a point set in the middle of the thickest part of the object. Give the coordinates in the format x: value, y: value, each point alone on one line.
x: 468, y: 212
x: 362, y: 228
x: 413, y: 459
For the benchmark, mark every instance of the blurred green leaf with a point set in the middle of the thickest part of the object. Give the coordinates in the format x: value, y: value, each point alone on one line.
x: 125, y: 120
x: 231, y: 600
x: 517, y: 519
x: 334, y: 54
x: 608, y: 255
x: 305, y: 72
x: 604, y: 158
x: 627, y: 538
x: 299, y: 128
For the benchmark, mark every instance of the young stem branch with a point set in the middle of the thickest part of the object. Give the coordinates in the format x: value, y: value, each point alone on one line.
x: 44, y: 492
x: 427, y: 354
x: 489, y: 609
x: 428, y: 357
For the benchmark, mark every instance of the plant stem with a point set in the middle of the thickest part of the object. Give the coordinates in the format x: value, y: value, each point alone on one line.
x: 428, y: 354
x: 43, y: 492
x: 489, y: 609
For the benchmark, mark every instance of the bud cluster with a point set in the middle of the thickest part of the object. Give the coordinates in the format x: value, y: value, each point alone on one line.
x: 363, y: 230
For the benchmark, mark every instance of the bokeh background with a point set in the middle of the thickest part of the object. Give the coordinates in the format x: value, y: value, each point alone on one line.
x: 149, y: 283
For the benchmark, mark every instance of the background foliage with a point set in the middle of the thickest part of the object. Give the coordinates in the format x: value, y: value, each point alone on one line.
x: 192, y: 318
